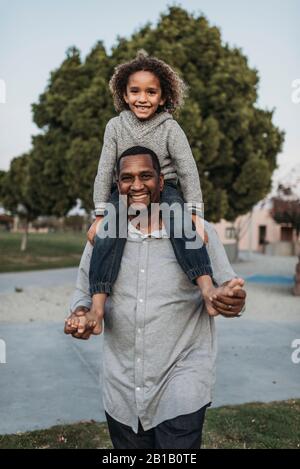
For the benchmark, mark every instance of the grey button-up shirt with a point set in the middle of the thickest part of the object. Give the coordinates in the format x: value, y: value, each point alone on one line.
x: 159, y: 342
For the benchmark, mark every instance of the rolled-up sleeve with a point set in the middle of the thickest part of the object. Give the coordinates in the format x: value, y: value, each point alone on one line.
x: 81, y: 295
x: 222, y: 270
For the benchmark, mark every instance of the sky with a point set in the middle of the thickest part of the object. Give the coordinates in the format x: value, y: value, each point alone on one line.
x: 35, y: 34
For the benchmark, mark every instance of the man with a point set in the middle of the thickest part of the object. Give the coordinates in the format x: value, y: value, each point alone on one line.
x: 159, y: 341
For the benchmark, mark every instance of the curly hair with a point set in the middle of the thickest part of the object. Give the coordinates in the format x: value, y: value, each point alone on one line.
x: 173, y: 87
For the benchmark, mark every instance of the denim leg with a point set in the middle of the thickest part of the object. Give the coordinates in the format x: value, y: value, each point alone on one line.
x: 123, y: 437
x: 108, y: 250
x: 182, y: 432
x: 188, y: 247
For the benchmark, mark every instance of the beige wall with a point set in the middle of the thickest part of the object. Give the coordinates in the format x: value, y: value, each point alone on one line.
x: 249, y: 226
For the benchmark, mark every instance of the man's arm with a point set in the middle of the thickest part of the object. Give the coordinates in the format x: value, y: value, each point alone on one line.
x: 81, y: 295
x: 232, y: 302
x: 222, y: 270
x: 82, y: 322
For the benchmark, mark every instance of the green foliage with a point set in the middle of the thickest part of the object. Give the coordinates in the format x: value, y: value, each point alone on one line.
x: 286, y: 206
x: 234, y: 143
x: 72, y: 112
x: 2, y: 179
x: 15, y: 189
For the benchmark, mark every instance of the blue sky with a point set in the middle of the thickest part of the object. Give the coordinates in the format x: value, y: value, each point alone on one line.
x: 35, y: 34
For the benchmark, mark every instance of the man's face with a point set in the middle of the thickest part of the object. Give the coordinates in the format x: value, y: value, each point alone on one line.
x: 139, y: 181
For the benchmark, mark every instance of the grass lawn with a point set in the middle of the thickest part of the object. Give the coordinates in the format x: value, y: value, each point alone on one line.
x: 248, y: 426
x: 44, y: 251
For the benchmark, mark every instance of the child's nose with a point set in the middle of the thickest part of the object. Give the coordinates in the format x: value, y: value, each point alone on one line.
x: 142, y: 97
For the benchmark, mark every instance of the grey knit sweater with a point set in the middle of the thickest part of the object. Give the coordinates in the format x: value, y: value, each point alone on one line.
x: 165, y: 137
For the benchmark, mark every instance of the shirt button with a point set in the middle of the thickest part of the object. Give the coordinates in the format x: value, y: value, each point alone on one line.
x: 139, y: 330
x: 142, y: 270
x: 141, y: 300
x: 138, y: 360
x: 138, y: 389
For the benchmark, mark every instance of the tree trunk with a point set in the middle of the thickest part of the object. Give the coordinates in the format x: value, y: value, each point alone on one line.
x: 24, y: 238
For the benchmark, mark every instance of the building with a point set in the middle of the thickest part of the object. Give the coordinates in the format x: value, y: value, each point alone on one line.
x: 257, y: 231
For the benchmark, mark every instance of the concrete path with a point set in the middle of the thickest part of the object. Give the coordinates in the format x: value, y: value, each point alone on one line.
x: 49, y: 378
x: 38, y: 278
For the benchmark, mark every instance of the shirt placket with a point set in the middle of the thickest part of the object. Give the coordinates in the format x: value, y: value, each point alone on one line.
x: 140, y: 327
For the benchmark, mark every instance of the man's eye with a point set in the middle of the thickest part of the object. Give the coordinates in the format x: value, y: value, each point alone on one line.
x: 126, y: 178
x: 146, y: 176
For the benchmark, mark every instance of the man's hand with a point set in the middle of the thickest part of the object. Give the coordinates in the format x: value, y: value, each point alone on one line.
x: 82, y: 323
x: 232, y: 299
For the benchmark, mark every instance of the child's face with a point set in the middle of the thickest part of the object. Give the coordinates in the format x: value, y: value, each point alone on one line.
x: 143, y: 94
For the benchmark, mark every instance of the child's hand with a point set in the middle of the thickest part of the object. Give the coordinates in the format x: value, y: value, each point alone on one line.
x: 82, y: 323
x: 93, y: 229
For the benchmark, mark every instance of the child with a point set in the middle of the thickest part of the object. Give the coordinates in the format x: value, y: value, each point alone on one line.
x: 146, y: 91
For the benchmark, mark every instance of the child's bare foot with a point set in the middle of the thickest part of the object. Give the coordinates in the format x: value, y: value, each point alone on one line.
x: 208, y: 295
x: 212, y: 293
x: 93, y: 229
x: 199, y: 224
x: 207, y: 288
x: 236, y: 283
x: 97, y: 310
x: 95, y: 316
x: 82, y: 323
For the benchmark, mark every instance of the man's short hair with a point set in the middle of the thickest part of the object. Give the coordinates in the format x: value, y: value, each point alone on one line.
x: 140, y: 151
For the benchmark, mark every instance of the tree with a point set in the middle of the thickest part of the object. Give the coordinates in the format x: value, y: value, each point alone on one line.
x: 233, y: 141
x: 2, y: 176
x: 15, y: 193
x: 72, y: 112
x: 286, y: 203
x: 48, y: 163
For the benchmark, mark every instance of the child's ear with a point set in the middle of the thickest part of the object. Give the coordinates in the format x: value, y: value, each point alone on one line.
x: 162, y: 101
x: 125, y: 98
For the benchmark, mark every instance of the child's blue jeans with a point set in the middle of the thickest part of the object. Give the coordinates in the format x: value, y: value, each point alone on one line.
x: 108, y: 251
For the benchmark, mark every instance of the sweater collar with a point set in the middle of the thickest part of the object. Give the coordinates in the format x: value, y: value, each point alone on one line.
x: 158, y: 118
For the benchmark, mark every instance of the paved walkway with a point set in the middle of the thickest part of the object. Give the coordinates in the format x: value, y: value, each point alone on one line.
x: 40, y: 278
x: 50, y: 378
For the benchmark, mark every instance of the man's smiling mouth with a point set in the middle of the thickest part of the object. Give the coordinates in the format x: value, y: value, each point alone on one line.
x: 139, y: 196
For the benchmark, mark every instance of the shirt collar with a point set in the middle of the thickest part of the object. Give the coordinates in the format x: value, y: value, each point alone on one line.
x: 135, y: 233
